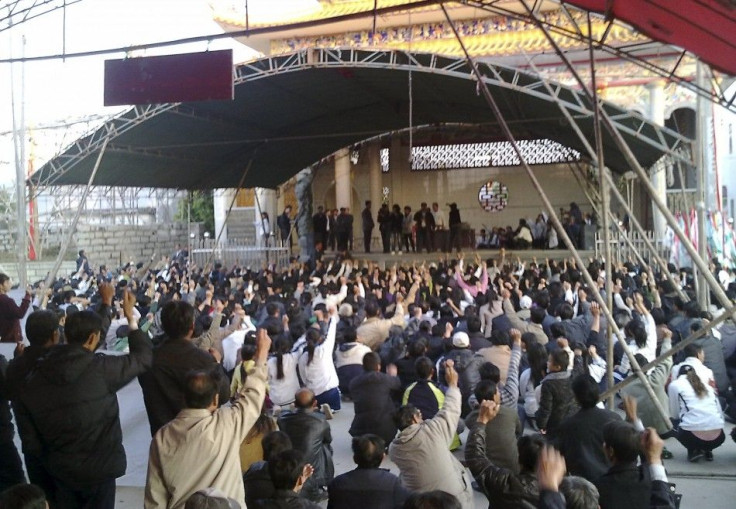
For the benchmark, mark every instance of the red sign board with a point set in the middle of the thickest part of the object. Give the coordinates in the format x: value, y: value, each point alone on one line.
x: 187, y: 77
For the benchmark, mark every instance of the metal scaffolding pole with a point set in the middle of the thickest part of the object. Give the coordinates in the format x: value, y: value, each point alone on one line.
x: 611, y: 186
x: 643, y: 177
x: 227, y: 215
x: 555, y: 219
x: 68, y: 239
x: 606, y: 207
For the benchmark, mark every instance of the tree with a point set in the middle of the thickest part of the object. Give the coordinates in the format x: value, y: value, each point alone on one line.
x: 202, y: 209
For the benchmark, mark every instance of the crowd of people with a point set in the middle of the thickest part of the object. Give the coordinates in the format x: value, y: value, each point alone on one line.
x: 242, y: 369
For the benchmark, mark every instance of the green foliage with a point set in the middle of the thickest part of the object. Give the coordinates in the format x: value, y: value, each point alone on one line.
x: 202, y: 209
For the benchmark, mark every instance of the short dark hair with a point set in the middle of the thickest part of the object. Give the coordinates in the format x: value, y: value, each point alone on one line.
x: 200, y: 387
x: 285, y: 469
x: 274, y: 443
x: 371, y: 308
x: 636, y: 330
x: 368, y: 451
x: 537, y: 314
x: 586, y: 391
x: 579, y: 493
x: 489, y: 371
x: 529, y: 448
x: 565, y: 311
x: 3, y: 277
x: 560, y: 358
x: 432, y: 500
x: 404, y: 416
x: 473, y: 323
x: 500, y: 337
x: 81, y: 325
x: 423, y: 367
x: 23, y: 496
x: 177, y: 318
x: 692, y: 350
x: 623, y: 438
x: 40, y: 327
x: 485, y: 390
x: 371, y: 361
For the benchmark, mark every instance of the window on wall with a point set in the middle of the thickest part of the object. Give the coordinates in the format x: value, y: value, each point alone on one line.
x: 493, y: 196
x: 486, y: 155
x: 384, y: 160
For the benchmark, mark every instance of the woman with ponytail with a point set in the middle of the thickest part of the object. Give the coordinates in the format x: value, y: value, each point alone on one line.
x: 695, y: 405
x: 283, y: 381
x: 316, y: 367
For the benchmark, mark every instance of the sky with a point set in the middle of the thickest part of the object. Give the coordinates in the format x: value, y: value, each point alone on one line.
x: 57, y: 91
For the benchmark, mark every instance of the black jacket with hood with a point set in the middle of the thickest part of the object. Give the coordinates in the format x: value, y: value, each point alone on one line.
x: 68, y: 413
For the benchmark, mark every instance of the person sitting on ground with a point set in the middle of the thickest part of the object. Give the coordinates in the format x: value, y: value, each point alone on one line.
x: 501, y: 432
x: 368, y: 486
x: 289, y: 473
x: 256, y: 479
x: 580, y: 436
x: 432, y: 500
x: 310, y: 434
x: 421, y: 443
x: 349, y: 359
x: 557, y: 491
x: 283, y: 381
x: 626, y: 484
x: 556, y: 400
x: 373, y: 396
x: 375, y: 330
x: 503, y: 488
x: 316, y: 367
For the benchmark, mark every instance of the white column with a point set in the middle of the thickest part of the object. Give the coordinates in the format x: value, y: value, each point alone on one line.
x: 222, y: 199
x: 659, y: 176
x: 376, y: 176
x: 343, y: 187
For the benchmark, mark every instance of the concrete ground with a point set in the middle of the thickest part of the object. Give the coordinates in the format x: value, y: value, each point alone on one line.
x: 706, y: 485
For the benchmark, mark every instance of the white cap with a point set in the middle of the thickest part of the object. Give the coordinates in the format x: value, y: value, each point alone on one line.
x: 460, y: 340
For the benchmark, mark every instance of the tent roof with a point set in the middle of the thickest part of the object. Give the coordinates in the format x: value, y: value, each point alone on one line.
x: 291, y: 111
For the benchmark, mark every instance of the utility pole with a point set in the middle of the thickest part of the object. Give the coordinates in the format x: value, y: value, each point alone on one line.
x: 19, y: 143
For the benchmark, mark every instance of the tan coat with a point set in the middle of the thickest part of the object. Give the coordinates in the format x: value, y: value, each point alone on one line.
x: 524, y: 326
x: 422, y: 453
x: 374, y: 331
x: 199, y: 449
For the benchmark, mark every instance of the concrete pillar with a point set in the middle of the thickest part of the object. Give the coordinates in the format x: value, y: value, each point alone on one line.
x: 343, y: 184
x: 304, y: 215
x: 659, y: 174
x: 376, y: 176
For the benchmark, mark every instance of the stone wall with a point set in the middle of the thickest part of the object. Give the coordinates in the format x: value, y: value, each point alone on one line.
x: 114, y: 245
x: 37, y: 270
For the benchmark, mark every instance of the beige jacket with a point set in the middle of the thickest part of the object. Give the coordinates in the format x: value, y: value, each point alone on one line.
x: 374, y: 331
x: 524, y: 326
x: 199, y: 449
x: 422, y: 453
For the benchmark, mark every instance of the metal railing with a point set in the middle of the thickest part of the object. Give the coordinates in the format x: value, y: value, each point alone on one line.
x: 243, y: 253
x: 621, y: 250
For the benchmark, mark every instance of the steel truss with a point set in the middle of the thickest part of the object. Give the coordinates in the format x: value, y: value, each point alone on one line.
x: 677, y: 147
x: 643, y: 54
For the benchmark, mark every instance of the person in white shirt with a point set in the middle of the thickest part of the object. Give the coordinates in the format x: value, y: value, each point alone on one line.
x: 696, y: 406
x: 316, y: 367
x: 232, y: 343
x: 283, y: 381
x: 694, y: 356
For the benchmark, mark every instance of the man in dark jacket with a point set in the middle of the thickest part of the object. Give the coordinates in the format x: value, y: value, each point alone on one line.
x: 580, y: 437
x: 627, y: 484
x: 368, y: 486
x: 504, y: 488
x: 501, y: 432
x: 68, y: 413
x: 373, y: 393
x: 163, y: 385
x: 11, y: 469
x: 310, y: 434
x: 319, y: 223
x: 289, y: 473
x: 556, y: 401
x: 368, y: 224
x: 467, y: 364
x: 284, y: 223
x: 257, y: 480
